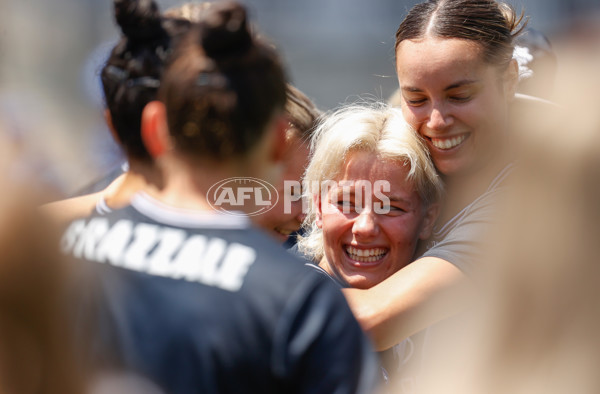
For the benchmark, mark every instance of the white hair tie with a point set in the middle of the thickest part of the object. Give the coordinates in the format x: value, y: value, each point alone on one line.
x: 523, y: 58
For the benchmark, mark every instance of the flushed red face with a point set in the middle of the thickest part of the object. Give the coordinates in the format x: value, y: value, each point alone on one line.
x: 365, y: 248
x: 455, y: 100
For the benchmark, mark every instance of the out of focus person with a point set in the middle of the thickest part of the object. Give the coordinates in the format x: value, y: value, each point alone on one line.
x: 130, y: 80
x: 360, y: 230
x: 197, y: 300
x: 286, y: 216
x: 537, y: 331
x: 128, y: 88
x: 36, y: 353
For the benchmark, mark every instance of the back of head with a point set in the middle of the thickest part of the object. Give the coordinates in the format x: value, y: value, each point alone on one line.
x: 132, y: 73
x: 377, y: 129
x: 223, y: 87
x: 490, y: 23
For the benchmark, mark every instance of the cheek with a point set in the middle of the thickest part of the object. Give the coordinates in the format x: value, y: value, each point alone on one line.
x: 414, y: 116
x: 404, y: 233
x: 334, y: 225
x: 481, y: 114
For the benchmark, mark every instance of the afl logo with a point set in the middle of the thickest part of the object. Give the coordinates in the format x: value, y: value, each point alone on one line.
x: 242, y: 196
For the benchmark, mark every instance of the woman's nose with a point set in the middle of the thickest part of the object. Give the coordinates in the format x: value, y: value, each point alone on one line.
x: 365, y: 226
x: 439, y: 119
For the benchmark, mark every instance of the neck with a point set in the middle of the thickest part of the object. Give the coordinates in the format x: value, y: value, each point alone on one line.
x: 141, y: 176
x: 188, y: 182
x: 324, y: 264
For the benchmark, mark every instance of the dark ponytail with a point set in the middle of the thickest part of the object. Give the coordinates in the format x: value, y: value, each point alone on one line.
x: 223, y: 87
x: 131, y: 76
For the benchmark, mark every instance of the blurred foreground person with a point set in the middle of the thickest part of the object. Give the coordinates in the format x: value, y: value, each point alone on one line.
x: 130, y: 80
x: 539, y: 320
x: 195, y: 300
x: 36, y: 356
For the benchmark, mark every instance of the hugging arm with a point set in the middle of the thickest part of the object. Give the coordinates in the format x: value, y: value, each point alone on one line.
x: 417, y: 296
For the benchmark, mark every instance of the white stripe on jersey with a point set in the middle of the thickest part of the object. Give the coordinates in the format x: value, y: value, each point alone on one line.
x: 188, y: 218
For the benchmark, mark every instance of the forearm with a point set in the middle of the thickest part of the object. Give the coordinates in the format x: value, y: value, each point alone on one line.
x: 419, y: 295
x: 64, y: 211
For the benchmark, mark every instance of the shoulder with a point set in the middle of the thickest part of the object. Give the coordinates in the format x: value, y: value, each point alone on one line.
x: 461, y: 240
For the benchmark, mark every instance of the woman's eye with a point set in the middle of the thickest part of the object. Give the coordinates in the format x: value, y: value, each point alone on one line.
x: 345, y: 206
x: 397, y: 209
x: 460, y: 98
x: 392, y: 210
x: 415, y: 102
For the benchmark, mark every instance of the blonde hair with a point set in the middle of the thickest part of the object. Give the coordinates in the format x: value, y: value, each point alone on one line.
x: 374, y: 128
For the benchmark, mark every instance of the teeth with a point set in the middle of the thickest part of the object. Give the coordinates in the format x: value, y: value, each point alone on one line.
x: 448, y: 143
x: 366, y: 255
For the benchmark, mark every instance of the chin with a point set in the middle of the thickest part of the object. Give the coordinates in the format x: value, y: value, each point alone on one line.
x: 362, y: 283
x: 453, y: 167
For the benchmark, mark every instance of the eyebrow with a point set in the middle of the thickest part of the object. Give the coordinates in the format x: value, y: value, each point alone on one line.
x: 400, y: 199
x: 453, y: 86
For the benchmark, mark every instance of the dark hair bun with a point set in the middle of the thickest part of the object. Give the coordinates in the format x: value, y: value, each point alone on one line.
x: 225, y: 30
x: 138, y: 19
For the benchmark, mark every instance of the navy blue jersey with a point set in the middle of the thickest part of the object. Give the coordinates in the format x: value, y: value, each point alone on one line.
x: 204, y: 303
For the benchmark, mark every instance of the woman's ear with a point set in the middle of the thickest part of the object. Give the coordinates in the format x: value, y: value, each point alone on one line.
x: 431, y: 215
x: 511, y: 79
x: 316, y: 197
x: 155, y: 132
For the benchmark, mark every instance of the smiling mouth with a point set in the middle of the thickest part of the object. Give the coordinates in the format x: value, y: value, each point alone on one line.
x: 366, y: 255
x: 448, y: 143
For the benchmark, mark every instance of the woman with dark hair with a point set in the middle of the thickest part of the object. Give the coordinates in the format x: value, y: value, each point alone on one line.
x: 130, y: 80
x: 284, y: 220
x: 457, y: 78
x: 199, y: 300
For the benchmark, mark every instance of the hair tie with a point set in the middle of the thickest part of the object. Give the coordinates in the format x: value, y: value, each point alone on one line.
x: 147, y: 82
x: 117, y: 73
